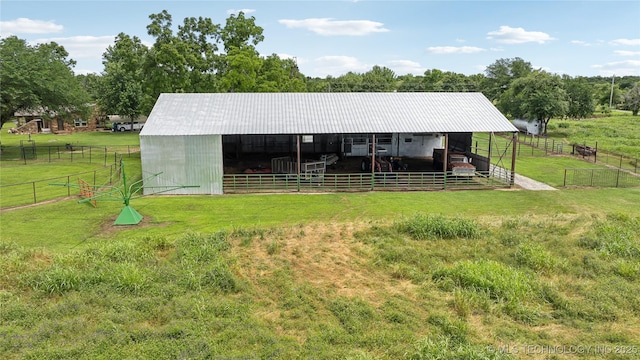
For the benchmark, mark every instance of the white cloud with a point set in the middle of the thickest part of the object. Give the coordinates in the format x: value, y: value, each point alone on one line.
x: 338, y: 65
x: 619, y: 68
x: 509, y: 35
x: 83, y: 47
x: 403, y: 67
x: 627, y: 42
x: 329, y: 27
x: 28, y: 26
x: 237, y: 11
x: 627, y: 53
x: 580, y: 42
x: 454, y: 49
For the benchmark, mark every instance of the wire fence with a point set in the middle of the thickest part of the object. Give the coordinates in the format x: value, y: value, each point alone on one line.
x: 34, y: 192
x: 543, y: 146
x: 600, y: 178
x: 29, y: 152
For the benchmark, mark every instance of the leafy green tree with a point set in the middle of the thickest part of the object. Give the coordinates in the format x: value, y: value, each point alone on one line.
x: 580, y: 97
x: 279, y: 75
x: 379, y: 79
x: 539, y: 95
x: 122, y: 92
x: 605, y: 95
x: 198, y: 41
x: 240, y: 32
x: 500, y: 74
x: 240, y: 71
x: 38, y: 78
x: 166, y: 66
x: 349, y: 82
x: 632, y: 99
x: 411, y: 83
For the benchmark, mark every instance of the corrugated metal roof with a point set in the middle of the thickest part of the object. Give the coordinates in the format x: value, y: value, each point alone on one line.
x: 323, y: 113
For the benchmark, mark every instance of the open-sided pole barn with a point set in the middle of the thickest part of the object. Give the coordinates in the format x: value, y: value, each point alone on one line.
x: 187, y: 137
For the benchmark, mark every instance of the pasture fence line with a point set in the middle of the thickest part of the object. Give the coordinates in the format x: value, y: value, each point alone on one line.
x: 600, y: 178
x: 591, y: 152
x: 28, y: 152
x: 34, y: 192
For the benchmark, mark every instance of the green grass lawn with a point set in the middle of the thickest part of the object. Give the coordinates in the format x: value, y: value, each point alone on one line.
x: 463, y: 274
x: 92, y: 138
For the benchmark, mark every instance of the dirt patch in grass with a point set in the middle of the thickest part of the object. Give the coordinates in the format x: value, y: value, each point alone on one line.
x: 325, y: 256
x: 108, y: 227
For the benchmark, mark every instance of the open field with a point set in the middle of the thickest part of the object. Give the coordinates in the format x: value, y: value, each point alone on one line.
x: 362, y: 276
x: 616, y: 133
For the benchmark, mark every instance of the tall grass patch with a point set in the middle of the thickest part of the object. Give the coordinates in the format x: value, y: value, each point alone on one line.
x: 618, y: 235
x: 498, y: 281
x: 426, y: 227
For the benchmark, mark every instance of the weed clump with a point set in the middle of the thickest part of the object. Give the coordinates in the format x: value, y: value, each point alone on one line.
x: 426, y: 227
x: 497, y: 280
x: 618, y: 235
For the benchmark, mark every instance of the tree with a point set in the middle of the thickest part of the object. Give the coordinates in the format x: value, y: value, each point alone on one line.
x: 240, y: 32
x: 279, y: 75
x: 379, y: 79
x: 122, y: 91
x: 38, y: 78
x: 580, y: 97
x: 500, y: 74
x: 539, y: 96
x: 632, y: 99
x: 240, y: 70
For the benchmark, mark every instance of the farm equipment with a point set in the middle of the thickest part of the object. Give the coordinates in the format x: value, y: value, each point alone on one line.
x: 382, y: 163
x: 458, y: 164
x: 584, y: 150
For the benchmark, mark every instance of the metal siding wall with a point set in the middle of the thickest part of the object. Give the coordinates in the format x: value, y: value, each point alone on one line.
x: 183, y: 160
x: 204, y: 164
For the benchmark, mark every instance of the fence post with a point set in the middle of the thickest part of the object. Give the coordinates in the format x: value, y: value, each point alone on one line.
x: 34, y: 192
x: 620, y: 167
x: 595, y: 155
x: 564, y: 182
x: 618, y: 178
x: 68, y: 187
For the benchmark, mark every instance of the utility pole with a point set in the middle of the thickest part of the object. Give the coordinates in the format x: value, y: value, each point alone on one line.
x: 611, y: 96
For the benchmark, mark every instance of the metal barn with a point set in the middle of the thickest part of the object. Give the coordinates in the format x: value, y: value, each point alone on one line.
x: 188, y: 137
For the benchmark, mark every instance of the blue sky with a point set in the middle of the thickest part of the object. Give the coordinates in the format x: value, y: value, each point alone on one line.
x: 576, y: 38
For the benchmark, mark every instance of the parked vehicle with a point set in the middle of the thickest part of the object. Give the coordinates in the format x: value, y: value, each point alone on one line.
x: 126, y: 126
x: 458, y: 164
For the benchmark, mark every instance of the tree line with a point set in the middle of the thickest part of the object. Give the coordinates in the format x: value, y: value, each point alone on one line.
x: 204, y: 57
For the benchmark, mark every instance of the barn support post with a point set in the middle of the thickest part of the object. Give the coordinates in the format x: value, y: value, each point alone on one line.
x: 489, y: 149
x: 512, y: 181
x: 445, y: 154
x: 298, y: 161
x: 373, y: 160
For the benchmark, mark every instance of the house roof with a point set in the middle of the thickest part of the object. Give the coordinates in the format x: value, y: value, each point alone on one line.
x: 323, y: 113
